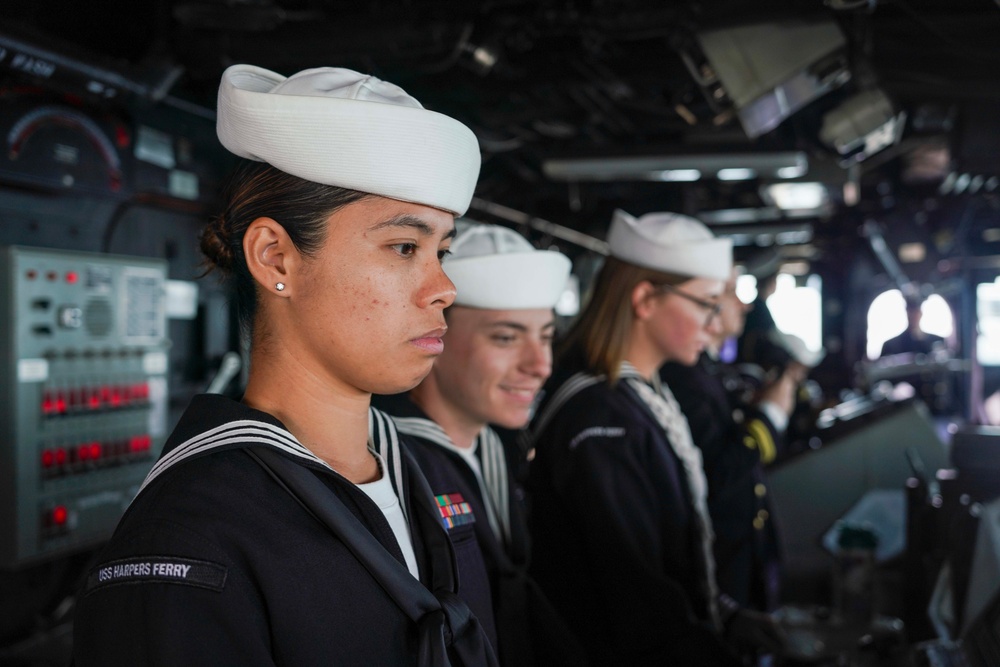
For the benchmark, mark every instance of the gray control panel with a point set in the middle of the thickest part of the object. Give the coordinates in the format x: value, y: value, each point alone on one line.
x: 84, y: 373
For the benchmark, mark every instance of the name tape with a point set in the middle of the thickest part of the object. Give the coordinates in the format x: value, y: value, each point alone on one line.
x: 158, y: 570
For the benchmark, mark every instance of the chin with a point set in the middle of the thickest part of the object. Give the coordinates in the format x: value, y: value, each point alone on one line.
x: 399, y: 383
x: 691, y: 359
x: 512, y: 420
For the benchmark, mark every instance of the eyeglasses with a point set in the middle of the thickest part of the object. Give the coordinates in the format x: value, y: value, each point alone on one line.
x: 713, y: 308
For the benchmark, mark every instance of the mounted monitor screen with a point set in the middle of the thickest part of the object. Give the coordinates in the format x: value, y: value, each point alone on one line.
x: 770, y: 70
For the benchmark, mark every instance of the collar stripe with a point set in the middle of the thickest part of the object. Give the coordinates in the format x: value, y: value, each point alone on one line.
x: 568, y: 390
x: 247, y: 431
x: 180, y: 451
x: 387, y: 445
x: 492, y: 476
x: 422, y: 428
x: 382, y: 435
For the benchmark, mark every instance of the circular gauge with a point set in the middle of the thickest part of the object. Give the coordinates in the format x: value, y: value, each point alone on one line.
x: 61, y: 143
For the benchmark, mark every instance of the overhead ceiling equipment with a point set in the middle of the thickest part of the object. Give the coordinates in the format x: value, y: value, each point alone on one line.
x: 771, y: 70
x: 862, y: 126
x: 93, y: 81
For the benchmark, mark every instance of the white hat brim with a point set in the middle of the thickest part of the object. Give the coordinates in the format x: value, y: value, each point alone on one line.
x: 511, y: 281
x: 400, y: 152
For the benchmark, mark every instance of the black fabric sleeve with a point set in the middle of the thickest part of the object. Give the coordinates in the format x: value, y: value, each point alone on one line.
x: 143, y: 621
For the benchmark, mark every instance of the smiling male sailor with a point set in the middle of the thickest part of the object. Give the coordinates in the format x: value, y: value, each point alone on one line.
x: 497, y: 355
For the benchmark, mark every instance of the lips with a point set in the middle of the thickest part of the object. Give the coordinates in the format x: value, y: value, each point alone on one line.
x: 521, y: 394
x: 431, y: 341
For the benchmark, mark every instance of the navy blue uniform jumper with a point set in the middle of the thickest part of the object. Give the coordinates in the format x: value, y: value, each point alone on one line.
x: 735, y: 440
x: 616, y: 545
x: 529, y: 629
x: 267, y: 584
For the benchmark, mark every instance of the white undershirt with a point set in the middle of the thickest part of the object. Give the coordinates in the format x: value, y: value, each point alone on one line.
x: 468, y: 454
x: 383, y: 495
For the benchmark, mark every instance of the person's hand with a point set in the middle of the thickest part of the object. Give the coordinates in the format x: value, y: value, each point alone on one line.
x: 750, y: 630
x: 796, y: 371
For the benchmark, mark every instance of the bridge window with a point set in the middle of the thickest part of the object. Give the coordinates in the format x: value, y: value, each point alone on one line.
x: 887, y: 319
x: 988, y: 313
x: 796, y: 305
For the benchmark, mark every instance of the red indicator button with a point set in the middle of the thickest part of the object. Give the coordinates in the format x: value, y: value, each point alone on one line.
x: 95, y: 450
x: 48, y: 458
x: 72, y: 277
x: 60, y: 456
x: 122, y: 138
x: 140, y: 443
x: 59, y: 515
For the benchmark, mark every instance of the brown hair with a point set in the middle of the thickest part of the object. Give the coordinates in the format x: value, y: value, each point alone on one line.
x: 255, y: 190
x: 602, y: 331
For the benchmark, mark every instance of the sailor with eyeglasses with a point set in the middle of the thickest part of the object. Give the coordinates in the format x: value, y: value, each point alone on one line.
x: 620, y: 524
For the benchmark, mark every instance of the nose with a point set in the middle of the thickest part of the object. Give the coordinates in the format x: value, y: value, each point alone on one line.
x: 437, y: 289
x: 714, y: 325
x: 536, y: 359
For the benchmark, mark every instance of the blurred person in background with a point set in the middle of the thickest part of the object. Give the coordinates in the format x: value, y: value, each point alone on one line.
x: 619, y: 500
x: 737, y: 438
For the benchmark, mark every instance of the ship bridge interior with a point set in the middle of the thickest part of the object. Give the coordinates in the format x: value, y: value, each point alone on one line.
x: 852, y: 145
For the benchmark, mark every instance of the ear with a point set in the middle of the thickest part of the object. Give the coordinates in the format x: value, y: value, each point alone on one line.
x: 271, y: 255
x: 642, y: 299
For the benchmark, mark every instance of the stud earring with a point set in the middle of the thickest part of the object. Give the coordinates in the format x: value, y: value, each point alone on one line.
x: 279, y: 286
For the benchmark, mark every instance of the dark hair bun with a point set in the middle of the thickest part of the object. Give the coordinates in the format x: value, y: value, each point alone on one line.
x: 215, y: 244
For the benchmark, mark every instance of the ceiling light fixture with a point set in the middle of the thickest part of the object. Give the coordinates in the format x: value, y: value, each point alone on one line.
x: 675, y: 175
x: 797, y: 196
x: 790, y: 172
x: 788, y: 164
x: 736, y: 174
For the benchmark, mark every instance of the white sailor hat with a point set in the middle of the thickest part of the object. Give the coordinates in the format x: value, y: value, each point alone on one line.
x: 338, y: 127
x: 671, y: 243
x: 496, y: 268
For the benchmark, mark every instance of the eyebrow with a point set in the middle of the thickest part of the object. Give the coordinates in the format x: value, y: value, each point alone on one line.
x: 410, y: 222
x: 517, y: 325
x: 709, y: 297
